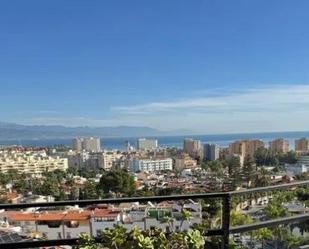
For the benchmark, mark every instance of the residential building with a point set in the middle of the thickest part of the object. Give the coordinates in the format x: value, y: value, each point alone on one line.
x: 31, y: 162
x: 211, y: 152
x: 193, y: 147
x: 150, y: 165
x: 184, y: 161
x: 302, y: 145
x: 90, y: 144
x: 78, y: 159
x: 147, y: 144
x: 70, y: 223
x: 108, y: 159
x: 101, y: 160
x: 279, y: 145
x: 77, y: 144
x: 245, y: 148
x: 62, y: 224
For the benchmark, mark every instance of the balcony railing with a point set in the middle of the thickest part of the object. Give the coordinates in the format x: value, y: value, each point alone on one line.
x: 224, y: 231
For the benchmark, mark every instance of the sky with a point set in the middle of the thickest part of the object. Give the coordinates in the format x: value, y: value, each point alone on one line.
x: 206, y: 66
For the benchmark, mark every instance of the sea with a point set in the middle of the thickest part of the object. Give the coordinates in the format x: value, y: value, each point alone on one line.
x: 117, y: 143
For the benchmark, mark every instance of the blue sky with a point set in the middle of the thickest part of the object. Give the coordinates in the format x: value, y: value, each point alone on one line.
x: 212, y: 66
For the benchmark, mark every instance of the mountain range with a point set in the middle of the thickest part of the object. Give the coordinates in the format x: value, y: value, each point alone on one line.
x: 12, y: 131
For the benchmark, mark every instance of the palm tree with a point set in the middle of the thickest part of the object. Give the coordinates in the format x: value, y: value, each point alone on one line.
x: 186, y: 216
x: 170, y: 221
x: 263, y: 178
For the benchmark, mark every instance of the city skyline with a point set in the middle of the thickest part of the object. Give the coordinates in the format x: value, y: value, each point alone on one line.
x: 206, y: 67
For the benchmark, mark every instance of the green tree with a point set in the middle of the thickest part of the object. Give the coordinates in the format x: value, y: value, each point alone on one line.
x: 266, y: 157
x: 35, y: 186
x: 118, y: 181
x: 262, y: 235
x: 249, y: 170
x: 74, y: 193
x: 275, y: 209
x: 72, y: 171
x: 62, y: 196
x: 22, y: 186
x: 90, y: 190
x: 13, y: 174
x: 86, y: 173
x: 289, y: 157
x: 235, y: 173
x: 263, y: 178
x: 50, y: 186
x: 238, y: 219
x: 216, y: 174
x: 146, y: 191
x: 4, y: 179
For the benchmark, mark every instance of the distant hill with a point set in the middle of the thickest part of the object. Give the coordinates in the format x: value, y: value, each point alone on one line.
x: 11, y: 131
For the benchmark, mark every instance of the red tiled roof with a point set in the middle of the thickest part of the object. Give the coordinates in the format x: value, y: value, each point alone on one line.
x: 60, y: 216
x: 101, y: 213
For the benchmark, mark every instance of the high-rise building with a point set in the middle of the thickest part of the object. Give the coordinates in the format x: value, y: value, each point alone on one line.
x: 302, y: 145
x: 193, y: 147
x: 77, y: 144
x: 211, y: 152
x: 245, y: 148
x: 147, y: 144
x: 91, y: 144
x: 88, y: 144
x: 279, y: 145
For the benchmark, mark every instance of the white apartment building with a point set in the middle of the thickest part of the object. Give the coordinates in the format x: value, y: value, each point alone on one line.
x: 147, y: 144
x: 108, y: 159
x: 30, y: 162
x: 92, y: 161
x: 150, y: 165
x: 90, y: 144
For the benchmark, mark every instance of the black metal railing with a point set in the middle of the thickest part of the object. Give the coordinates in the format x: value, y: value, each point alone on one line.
x: 224, y: 231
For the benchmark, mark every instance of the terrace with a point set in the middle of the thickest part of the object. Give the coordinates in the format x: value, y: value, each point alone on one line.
x: 225, y: 231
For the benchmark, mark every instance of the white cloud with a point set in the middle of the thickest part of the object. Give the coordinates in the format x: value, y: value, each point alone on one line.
x: 262, y: 99
x: 272, y: 108
x: 275, y: 108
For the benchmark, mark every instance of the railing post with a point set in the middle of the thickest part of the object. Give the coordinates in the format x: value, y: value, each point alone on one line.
x: 226, y: 209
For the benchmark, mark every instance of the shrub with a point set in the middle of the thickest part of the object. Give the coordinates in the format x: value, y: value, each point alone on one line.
x: 120, y: 238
